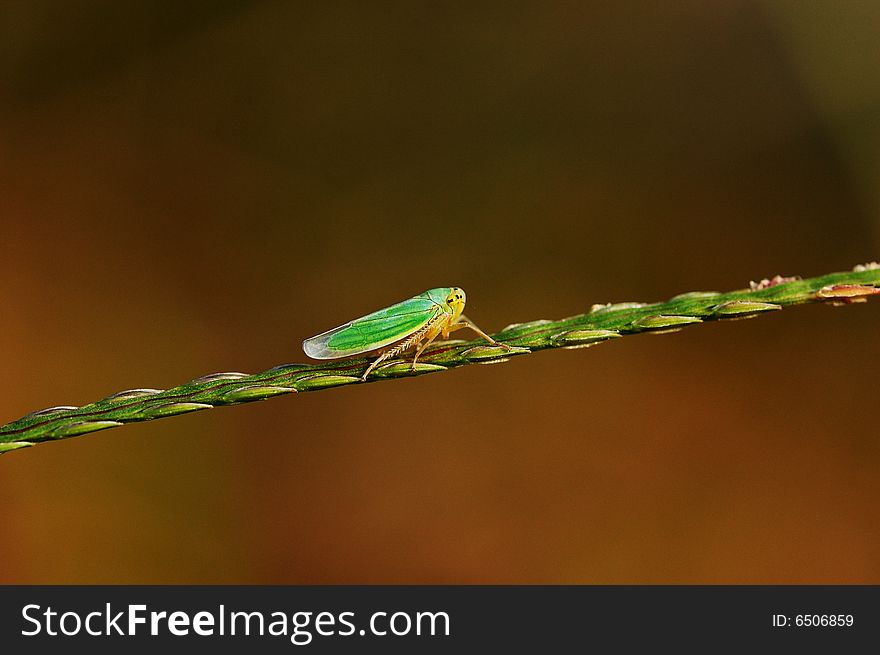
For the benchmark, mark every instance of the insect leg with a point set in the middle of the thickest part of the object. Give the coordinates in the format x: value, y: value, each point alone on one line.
x: 381, y: 358
x: 422, y: 347
x: 465, y: 322
x: 404, y: 345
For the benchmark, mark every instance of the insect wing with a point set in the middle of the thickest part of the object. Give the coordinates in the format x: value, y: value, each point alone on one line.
x: 372, y: 331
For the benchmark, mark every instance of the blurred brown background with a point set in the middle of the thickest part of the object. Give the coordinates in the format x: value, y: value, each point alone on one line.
x: 196, y: 187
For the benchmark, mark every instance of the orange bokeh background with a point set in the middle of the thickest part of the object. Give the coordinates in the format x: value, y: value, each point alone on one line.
x: 196, y: 187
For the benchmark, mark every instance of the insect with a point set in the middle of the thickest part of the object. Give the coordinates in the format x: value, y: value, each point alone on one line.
x: 413, y: 323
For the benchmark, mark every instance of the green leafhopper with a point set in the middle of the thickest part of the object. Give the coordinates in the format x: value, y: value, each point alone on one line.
x: 413, y: 323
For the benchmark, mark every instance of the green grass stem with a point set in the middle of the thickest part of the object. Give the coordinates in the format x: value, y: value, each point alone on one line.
x: 600, y: 323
